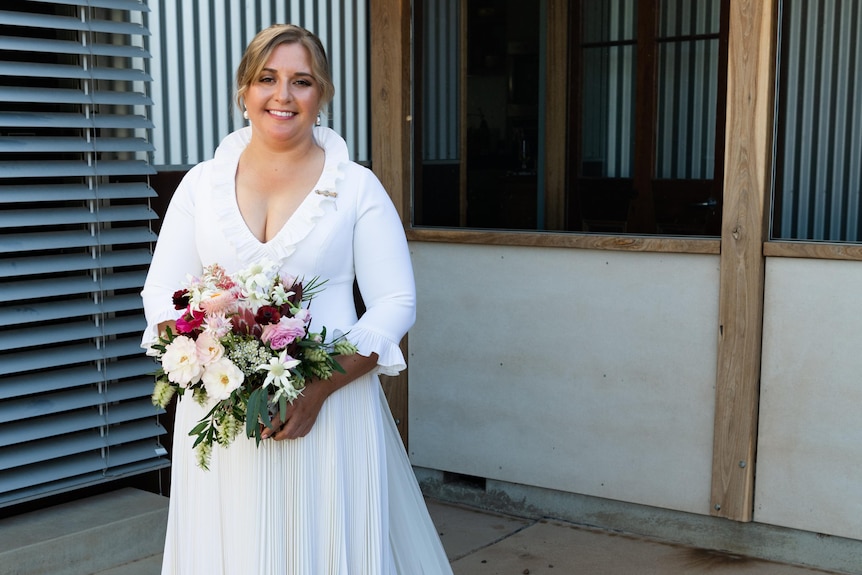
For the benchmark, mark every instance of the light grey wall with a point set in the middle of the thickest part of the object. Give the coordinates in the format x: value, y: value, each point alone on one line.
x: 592, y: 373
x: 583, y: 371
x: 809, y: 451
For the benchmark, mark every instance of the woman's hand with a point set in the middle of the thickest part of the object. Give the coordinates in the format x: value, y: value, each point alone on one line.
x: 163, y: 327
x: 303, y: 412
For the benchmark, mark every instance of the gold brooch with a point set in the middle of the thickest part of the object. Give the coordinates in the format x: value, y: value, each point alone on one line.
x: 326, y: 193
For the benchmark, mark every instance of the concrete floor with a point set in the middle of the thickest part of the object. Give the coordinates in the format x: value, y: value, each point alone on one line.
x: 483, y: 543
x: 480, y: 543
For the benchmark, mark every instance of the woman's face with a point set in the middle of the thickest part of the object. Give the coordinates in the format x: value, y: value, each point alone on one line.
x: 284, y: 100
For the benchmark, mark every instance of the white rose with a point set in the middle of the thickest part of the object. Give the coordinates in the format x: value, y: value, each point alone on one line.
x: 209, y: 348
x: 180, y: 361
x: 221, y: 378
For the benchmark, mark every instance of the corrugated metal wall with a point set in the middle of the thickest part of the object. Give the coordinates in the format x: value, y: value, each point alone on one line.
x: 197, y: 44
x: 441, y: 74
x: 609, y: 37
x: 819, y: 146
x: 688, y: 54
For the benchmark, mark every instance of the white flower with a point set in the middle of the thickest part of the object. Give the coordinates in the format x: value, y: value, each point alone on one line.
x: 180, y: 361
x: 279, y: 296
x: 221, y: 378
x: 257, y: 280
x: 278, y: 369
x: 209, y: 348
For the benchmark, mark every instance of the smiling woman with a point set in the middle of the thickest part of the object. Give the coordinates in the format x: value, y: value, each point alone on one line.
x: 329, y: 489
x: 285, y: 99
x: 282, y: 104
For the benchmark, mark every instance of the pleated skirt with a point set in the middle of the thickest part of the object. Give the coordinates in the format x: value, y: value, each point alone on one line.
x: 341, y: 501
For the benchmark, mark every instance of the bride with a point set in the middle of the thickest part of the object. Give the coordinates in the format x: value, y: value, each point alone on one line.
x: 330, y: 489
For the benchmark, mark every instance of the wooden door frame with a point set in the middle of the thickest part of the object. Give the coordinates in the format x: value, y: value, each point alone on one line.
x: 390, y: 139
x: 747, y: 184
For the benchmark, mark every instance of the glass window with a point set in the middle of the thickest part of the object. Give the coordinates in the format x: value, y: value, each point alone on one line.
x: 818, y: 151
x: 479, y: 124
x: 643, y: 134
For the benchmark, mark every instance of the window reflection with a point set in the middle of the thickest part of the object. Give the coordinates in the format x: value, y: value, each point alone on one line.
x: 641, y: 150
x: 480, y: 115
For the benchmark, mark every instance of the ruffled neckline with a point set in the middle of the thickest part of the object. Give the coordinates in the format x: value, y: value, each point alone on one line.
x: 310, y: 211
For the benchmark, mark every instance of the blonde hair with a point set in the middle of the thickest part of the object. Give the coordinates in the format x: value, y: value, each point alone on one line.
x: 266, y: 41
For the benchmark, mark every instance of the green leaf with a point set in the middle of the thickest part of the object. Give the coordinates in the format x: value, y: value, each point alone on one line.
x: 337, y: 367
x: 199, y: 427
x: 282, y: 407
x: 201, y: 437
x: 256, y: 411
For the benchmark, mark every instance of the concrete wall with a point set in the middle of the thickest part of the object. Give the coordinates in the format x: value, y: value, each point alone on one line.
x: 584, y: 371
x: 809, y: 454
x: 592, y: 372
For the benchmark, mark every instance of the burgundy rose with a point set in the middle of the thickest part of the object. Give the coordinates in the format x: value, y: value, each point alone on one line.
x: 181, y: 299
x: 267, y: 315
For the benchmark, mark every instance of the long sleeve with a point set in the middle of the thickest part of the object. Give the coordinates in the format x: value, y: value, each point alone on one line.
x: 385, y: 277
x: 175, y: 257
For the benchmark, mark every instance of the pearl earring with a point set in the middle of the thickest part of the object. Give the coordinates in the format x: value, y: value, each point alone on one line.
x: 317, y: 122
x: 245, y: 114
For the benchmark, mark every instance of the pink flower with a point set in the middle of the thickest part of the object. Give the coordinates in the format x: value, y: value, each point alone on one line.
x: 243, y: 322
x: 190, y: 321
x: 219, y: 302
x: 209, y: 348
x: 283, y: 333
x: 218, y: 325
x: 217, y: 275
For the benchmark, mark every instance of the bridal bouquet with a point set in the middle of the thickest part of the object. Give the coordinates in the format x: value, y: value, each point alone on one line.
x: 243, y: 342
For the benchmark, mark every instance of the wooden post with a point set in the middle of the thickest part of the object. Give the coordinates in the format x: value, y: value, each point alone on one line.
x: 390, y: 138
x: 748, y: 161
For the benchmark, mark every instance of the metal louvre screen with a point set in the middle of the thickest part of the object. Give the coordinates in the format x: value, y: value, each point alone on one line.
x: 197, y: 46
x: 75, y: 241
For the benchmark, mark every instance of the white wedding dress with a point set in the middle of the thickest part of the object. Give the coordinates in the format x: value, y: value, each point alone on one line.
x: 343, y: 500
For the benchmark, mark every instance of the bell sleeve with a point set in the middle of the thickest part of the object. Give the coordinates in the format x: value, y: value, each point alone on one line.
x: 174, y: 257
x: 384, y: 274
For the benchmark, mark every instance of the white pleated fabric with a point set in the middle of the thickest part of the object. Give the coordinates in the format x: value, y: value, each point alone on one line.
x: 343, y: 500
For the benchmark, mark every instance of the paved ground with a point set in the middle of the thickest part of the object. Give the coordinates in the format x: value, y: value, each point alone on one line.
x: 480, y: 543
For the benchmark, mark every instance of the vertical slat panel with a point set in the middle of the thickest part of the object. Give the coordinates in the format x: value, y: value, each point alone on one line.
x: 75, y: 241
x: 688, y: 90
x: 198, y: 46
x: 609, y: 32
x: 819, y: 152
x: 853, y: 159
x: 441, y: 81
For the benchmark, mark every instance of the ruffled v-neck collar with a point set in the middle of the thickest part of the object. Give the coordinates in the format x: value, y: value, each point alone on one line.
x: 283, y: 244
